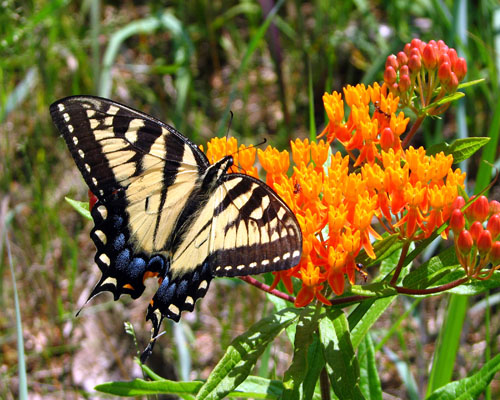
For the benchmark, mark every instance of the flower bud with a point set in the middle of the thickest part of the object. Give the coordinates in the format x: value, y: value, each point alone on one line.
x: 429, y: 55
x: 480, y: 209
x: 407, y: 49
x: 452, y: 53
x: 495, y: 253
x: 452, y: 84
x: 417, y: 44
x: 457, y: 221
x: 444, y: 72
x: 442, y: 47
x: 475, y: 230
x: 465, y: 242
x: 392, y: 61
x: 460, y: 68
x: 484, y: 243
x: 494, y: 225
x: 414, y: 64
x: 404, y: 83
x: 390, y: 75
x: 459, y: 202
x: 443, y: 58
x: 402, y: 58
x: 386, y: 139
x: 494, y: 207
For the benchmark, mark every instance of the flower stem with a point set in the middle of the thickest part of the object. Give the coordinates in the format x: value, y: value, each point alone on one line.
x: 436, y: 289
x: 267, y: 288
x: 324, y: 385
x: 399, y: 267
x: 413, y: 130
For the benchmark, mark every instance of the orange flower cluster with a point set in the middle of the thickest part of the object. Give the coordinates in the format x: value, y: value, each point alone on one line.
x: 401, y: 191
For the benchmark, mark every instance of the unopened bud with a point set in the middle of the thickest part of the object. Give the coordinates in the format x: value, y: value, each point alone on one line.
x: 386, y: 139
x: 390, y: 75
x: 465, y: 242
x: 494, y: 225
x: 480, y: 209
x: 484, y: 243
x: 457, y: 221
x: 475, y: 230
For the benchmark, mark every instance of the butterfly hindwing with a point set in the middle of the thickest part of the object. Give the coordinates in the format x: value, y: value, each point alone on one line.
x: 164, y: 211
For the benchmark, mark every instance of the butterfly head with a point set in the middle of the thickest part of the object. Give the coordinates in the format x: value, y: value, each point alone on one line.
x: 214, y: 174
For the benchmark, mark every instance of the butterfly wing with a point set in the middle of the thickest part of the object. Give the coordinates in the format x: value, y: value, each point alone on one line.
x: 244, y: 228
x: 142, y: 171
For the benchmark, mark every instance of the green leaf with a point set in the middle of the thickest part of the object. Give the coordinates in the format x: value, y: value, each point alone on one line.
x: 471, y: 387
x: 140, y: 387
x: 81, y: 206
x: 294, y: 376
x: 315, y: 363
x: 460, y: 149
x: 382, y: 248
x: 369, y: 380
x: 368, y: 312
x: 241, y: 356
x: 256, y: 387
x: 433, y: 271
x: 471, y: 83
x: 446, y: 99
x: 341, y: 363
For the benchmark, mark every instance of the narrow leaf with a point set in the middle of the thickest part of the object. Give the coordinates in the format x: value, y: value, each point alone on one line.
x: 294, y: 376
x: 139, y: 387
x: 342, y: 365
x: 241, y: 356
x: 315, y: 363
x: 369, y: 380
x: 471, y: 387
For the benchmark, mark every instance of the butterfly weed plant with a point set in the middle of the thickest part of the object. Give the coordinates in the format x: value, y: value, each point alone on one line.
x: 368, y: 203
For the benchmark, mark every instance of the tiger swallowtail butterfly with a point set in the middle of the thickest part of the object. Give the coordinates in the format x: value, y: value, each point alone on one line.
x: 162, y: 210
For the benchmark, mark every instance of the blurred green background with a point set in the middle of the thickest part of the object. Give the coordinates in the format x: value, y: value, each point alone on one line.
x: 189, y: 64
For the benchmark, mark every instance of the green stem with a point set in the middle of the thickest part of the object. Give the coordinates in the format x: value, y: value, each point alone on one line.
x: 433, y: 290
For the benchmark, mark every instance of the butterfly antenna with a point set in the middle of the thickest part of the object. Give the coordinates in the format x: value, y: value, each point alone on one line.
x: 231, y: 115
x: 264, y: 141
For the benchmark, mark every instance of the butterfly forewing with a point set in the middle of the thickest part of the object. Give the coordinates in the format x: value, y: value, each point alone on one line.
x: 162, y: 210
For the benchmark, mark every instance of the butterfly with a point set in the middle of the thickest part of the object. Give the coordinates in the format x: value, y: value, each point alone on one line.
x: 164, y: 211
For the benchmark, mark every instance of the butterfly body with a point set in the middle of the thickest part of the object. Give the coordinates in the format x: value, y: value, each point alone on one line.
x: 164, y: 211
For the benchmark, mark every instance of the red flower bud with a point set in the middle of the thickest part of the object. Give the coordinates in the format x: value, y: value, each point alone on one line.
x: 414, y: 64
x: 402, y: 58
x: 392, y: 61
x: 460, y: 68
x: 484, y: 243
x: 480, y: 209
x: 453, y: 83
x: 459, y: 202
x: 407, y: 49
x: 494, y: 225
x: 495, y: 253
x: 390, y: 75
x: 404, y: 82
x: 404, y: 70
x: 443, y: 58
x: 417, y: 44
x: 465, y: 242
x: 442, y: 47
x: 444, y: 72
x: 494, y: 207
x: 429, y: 55
x: 457, y: 221
x: 386, y: 139
x: 452, y: 53
x: 475, y: 230
x: 92, y: 200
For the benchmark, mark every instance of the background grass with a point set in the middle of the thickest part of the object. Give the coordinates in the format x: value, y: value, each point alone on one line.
x: 188, y: 64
